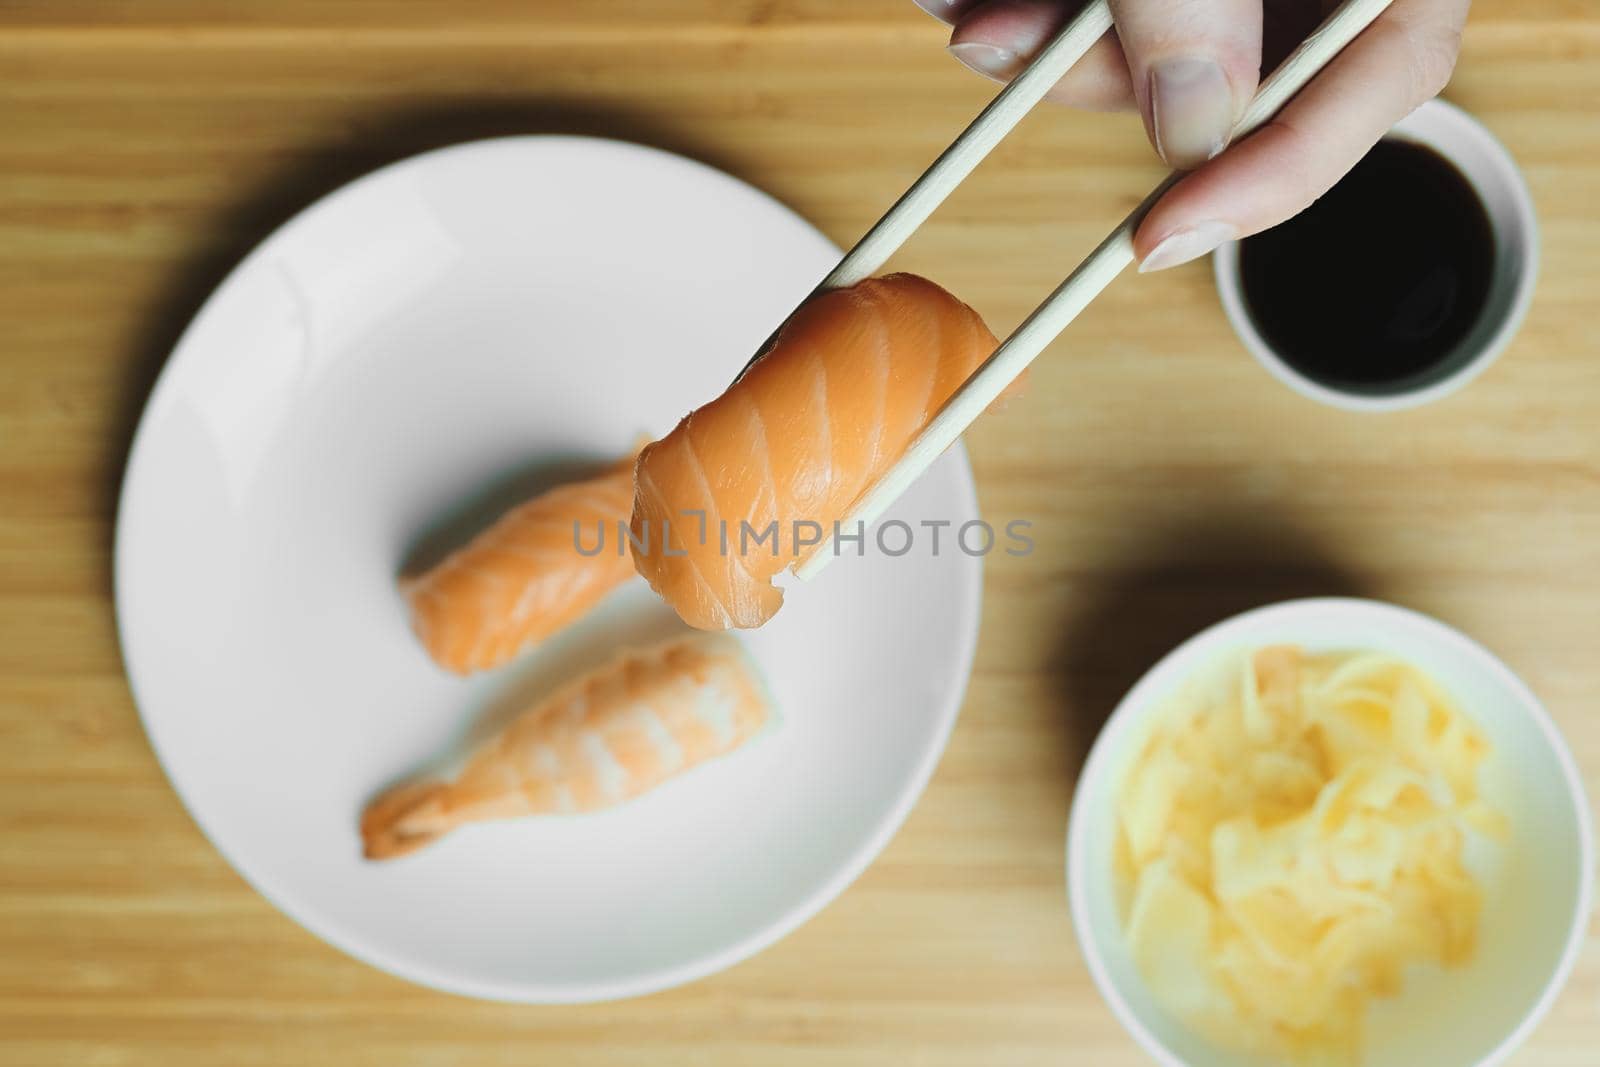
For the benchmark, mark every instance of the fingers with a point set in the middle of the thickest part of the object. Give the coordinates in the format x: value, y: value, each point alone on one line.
x: 1194, y: 65
x: 1189, y: 65
x: 1403, y: 58
x: 998, y: 38
x: 947, y: 10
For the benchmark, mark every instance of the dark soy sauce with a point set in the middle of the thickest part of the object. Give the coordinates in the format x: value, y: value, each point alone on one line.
x: 1373, y: 288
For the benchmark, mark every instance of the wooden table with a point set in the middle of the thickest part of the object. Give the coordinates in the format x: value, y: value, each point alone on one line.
x: 144, y: 147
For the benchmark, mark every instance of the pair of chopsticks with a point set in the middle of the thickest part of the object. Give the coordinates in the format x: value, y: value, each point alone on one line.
x: 1108, y: 260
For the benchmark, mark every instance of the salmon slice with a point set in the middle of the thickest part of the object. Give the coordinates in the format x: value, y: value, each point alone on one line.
x: 849, y: 381
x: 599, y: 741
x: 524, y: 578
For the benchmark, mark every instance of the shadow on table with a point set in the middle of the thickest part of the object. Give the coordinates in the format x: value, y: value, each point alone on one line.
x: 1174, y: 581
x: 266, y: 202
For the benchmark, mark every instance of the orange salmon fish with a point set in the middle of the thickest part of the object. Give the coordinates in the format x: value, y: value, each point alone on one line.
x: 846, y: 385
x: 523, y: 578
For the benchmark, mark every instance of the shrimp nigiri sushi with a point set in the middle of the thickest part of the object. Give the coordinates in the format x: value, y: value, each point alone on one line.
x: 835, y: 400
x: 523, y: 578
x: 602, y: 739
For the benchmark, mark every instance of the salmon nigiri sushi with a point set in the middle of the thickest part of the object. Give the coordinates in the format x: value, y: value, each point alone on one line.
x: 523, y: 578
x: 747, y: 485
x: 603, y: 739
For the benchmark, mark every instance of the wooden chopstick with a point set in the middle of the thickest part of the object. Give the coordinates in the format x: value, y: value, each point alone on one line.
x: 1085, y: 283
x: 958, y: 161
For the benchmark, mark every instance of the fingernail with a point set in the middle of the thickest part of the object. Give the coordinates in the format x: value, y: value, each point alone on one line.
x: 1191, y: 242
x: 987, y: 59
x: 1191, y: 107
x: 937, y: 8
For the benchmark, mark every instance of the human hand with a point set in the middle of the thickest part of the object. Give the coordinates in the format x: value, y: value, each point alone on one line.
x: 1191, y: 67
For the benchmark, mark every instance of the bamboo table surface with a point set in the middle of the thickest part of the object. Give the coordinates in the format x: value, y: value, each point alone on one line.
x: 144, y: 147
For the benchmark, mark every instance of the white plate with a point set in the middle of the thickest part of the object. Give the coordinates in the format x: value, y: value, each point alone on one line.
x: 453, y: 329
